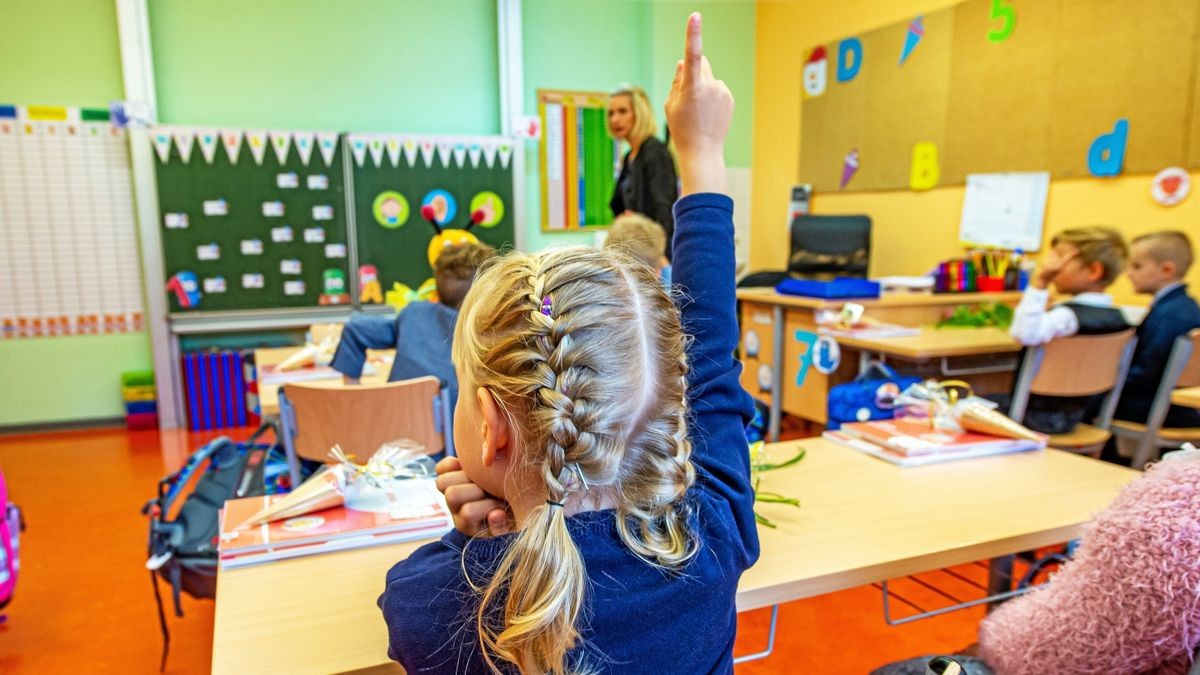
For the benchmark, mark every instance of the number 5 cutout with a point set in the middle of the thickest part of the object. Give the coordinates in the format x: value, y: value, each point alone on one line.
x: 1003, y: 12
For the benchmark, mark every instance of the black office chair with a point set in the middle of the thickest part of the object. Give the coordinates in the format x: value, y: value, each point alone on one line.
x: 822, y: 247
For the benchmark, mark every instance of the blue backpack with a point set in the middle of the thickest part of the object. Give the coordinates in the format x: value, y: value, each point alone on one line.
x: 871, y: 396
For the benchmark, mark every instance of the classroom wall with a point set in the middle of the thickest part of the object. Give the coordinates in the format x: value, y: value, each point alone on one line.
x: 912, y: 230
x: 63, y: 52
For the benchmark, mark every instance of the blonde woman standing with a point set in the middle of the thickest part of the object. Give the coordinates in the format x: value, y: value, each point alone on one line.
x: 647, y: 183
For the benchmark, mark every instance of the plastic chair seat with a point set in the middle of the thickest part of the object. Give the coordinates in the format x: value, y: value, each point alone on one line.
x: 1083, y: 438
x: 1173, y: 434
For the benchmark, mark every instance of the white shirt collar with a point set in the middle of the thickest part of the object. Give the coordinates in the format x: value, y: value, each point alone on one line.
x: 1093, y: 299
x: 1166, y: 289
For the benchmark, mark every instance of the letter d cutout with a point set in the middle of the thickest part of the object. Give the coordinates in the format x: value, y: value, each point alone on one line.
x: 849, y: 59
x: 1106, y: 157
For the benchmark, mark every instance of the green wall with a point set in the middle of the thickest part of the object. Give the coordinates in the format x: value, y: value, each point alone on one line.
x: 366, y: 65
x: 63, y: 52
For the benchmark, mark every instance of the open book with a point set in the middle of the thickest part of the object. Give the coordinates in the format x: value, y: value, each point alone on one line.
x: 914, y: 442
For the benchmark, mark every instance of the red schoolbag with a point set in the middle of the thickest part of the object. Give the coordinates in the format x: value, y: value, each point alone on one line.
x: 11, y: 525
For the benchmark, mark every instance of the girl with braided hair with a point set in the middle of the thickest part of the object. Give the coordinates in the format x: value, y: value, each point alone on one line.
x: 602, y: 501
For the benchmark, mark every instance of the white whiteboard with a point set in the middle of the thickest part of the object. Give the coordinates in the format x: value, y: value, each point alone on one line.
x: 1004, y: 210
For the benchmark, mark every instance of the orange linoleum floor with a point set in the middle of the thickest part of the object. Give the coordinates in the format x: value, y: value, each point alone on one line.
x: 84, y: 604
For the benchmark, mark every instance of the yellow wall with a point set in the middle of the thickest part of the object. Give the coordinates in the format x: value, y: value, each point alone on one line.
x: 912, y: 230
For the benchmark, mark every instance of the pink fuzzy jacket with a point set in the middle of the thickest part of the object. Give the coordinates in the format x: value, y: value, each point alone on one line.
x: 1130, y: 600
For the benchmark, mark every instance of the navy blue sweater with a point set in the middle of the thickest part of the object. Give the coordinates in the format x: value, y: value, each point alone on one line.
x: 1174, y: 314
x: 636, y: 617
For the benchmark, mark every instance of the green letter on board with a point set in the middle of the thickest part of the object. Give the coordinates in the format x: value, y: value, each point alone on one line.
x: 1001, y: 11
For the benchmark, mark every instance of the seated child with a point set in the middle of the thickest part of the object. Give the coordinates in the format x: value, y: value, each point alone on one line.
x: 644, y: 239
x: 1082, y: 263
x: 1157, y: 266
x: 422, y: 332
x: 615, y: 443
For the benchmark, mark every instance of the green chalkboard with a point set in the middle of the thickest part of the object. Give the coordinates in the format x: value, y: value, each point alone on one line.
x: 235, y: 234
x: 394, y: 175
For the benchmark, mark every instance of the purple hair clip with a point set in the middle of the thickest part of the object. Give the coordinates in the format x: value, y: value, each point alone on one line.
x: 546, y: 305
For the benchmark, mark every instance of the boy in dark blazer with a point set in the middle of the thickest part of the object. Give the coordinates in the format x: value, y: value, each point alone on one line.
x: 1158, y: 263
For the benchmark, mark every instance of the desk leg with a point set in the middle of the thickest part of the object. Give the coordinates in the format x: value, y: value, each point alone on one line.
x: 776, y: 375
x: 1000, y: 577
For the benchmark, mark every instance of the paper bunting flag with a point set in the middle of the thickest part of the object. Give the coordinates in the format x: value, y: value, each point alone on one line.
x: 281, y: 142
x: 410, y: 151
x: 393, y: 150
x: 427, y: 151
x: 375, y: 146
x: 208, y: 141
x: 358, y: 148
x: 257, y: 140
x: 474, y: 152
x: 303, y: 140
x: 489, y: 153
x: 444, y: 148
x: 506, y: 149
x: 916, y: 30
x: 232, y: 140
x: 460, y: 153
x: 162, y: 143
x: 327, y: 144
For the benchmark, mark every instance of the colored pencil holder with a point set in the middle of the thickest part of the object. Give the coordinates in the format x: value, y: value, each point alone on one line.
x: 991, y: 284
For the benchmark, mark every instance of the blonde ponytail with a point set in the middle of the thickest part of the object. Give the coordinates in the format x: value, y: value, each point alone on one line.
x: 585, y: 353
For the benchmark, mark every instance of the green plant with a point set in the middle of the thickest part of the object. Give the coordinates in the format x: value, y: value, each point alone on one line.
x: 758, y: 465
x: 991, y: 314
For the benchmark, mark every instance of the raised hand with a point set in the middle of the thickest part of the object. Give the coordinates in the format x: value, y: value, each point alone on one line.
x: 474, y: 510
x: 1050, y: 265
x: 699, y: 109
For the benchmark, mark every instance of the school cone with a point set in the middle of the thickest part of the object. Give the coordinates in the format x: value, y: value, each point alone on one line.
x: 980, y: 418
x: 321, y: 491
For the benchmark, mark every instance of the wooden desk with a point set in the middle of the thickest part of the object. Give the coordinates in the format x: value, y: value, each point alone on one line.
x: 1189, y: 397
x: 770, y: 323
x: 861, y: 520
x: 268, y: 394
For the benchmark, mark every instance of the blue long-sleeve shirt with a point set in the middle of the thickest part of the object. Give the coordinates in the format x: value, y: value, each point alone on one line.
x: 636, y: 617
x: 422, y: 334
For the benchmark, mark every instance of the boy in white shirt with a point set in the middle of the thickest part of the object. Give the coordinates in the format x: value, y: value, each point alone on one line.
x: 1082, y: 263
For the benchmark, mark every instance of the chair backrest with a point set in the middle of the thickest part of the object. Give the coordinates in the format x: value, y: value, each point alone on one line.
x: 360, y: 418
x: 1080, y: 365
x: 836, y: 236
x: 1187, y: 350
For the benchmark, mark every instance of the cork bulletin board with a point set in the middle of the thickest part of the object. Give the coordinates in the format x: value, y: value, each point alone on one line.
x: 1006, y: 85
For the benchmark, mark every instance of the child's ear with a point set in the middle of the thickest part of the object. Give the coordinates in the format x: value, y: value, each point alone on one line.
x: 1095, y: 271
x: 1170, y: 269
x: 495, y: 429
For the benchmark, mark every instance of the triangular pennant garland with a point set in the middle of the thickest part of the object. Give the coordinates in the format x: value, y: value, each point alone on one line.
x: 232, y: 140
x: 257, y: 140
x: 281, y: 142
x: 427, y: 151
x: 375, y: 145
x: 303, y: 140
x: 358, y: 148
x: 184, y: 140
x: 460, y: 153
x: 162, y: 144
x: 393, y: 150
x: 327, y: 144
x: 443, y: 148
x: 506, y: 149
x: 489, y: 153
x: 208, y: 141
x: 473, y: 151
x: 410, y: 151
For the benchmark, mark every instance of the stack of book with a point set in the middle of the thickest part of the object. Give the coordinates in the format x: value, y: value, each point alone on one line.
x: 418, y: 512
x: 914, y: 442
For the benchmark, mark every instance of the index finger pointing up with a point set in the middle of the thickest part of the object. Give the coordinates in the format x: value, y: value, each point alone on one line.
x: 694, y: 49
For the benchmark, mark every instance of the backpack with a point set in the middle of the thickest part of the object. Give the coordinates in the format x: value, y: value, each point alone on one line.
x: 11, y: 526
x: 183, y: 549
x: 868, y: 397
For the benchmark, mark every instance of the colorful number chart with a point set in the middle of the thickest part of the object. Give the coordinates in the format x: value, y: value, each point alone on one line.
x: 578, y: 160
x: 251, y: 219
x: 68, y: 257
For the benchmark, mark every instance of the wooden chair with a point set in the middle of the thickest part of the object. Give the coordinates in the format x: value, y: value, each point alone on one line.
x: 1080, y: 365
x: 1182, y: 370
x: 360, y: 418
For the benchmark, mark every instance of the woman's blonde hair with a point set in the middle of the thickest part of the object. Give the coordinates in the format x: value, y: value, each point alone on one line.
x: 585, y: 353
x: 644, y: 125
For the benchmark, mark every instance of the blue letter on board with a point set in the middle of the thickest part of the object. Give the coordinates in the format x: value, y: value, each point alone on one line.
x: 850, y: 47
x: 1107, y: 154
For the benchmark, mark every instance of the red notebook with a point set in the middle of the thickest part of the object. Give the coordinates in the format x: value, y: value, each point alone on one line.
x: 420, y: 512
x: 914, y: 437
